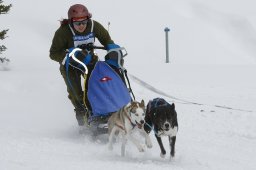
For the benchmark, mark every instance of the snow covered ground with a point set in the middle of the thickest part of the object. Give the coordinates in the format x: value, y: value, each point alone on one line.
x: 210, y: 79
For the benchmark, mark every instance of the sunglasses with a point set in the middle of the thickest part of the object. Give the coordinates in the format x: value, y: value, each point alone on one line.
x: 78, y: 23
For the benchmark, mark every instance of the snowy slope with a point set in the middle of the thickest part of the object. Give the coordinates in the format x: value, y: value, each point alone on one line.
x: 210, y: 79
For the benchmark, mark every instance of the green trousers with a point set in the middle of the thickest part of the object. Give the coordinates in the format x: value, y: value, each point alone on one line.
x: 74, y: 86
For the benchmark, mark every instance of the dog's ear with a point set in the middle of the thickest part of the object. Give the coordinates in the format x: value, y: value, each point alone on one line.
x: 128, y: 108
x: 173, y: 106
x: 142, y: 104
x: 133, y: 104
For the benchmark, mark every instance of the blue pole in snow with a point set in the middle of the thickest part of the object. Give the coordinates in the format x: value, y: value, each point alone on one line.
x: 167, y: 44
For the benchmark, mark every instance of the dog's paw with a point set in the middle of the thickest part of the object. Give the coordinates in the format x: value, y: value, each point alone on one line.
x: 141, y: 149
x: 162, y: 155
x: 172, y: 154
x: 149, y: 144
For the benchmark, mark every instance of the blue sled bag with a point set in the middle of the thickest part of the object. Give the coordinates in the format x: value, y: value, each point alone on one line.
x: 106, y: 91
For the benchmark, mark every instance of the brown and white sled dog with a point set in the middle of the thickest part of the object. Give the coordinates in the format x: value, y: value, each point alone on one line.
x: 126, y: 121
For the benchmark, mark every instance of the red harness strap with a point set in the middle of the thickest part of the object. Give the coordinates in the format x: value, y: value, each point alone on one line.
x: 122, y: 127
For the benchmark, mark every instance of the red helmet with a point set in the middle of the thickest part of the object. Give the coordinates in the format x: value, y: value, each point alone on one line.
x: 78, y: 11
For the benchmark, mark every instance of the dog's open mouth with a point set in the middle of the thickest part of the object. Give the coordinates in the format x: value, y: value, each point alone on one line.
x: 139, y: 125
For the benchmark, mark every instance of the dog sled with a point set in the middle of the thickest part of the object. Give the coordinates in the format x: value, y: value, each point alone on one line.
x: 106, y: 87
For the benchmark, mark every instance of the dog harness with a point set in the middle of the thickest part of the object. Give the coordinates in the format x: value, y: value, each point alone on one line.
x: 122, y: 127
x: 155, y: 103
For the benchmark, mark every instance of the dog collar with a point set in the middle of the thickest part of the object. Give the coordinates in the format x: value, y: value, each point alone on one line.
x: 133, y: 124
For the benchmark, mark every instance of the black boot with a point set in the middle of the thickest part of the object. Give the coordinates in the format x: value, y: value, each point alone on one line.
x: 99, y: 125
x: 81, y: 116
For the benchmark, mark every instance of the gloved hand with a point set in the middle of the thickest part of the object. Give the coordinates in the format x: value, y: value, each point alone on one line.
x: 87, y: 47
x: 112, y: 46
x: 112, y: 57
x: 82, y: 56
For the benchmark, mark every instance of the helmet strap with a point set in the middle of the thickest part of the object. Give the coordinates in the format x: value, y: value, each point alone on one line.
x: 71, y: 29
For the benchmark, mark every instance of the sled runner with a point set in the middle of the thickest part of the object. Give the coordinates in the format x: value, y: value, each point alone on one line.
x: 106, y: 88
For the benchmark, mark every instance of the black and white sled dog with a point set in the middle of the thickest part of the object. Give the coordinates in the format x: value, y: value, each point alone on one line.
x: 161, y: 117
x: 127, y: 120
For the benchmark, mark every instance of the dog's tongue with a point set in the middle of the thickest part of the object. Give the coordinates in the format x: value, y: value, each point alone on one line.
x: 139, y: 125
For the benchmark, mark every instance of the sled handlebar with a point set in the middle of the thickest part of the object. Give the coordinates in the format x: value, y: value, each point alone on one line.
x: 90, y: 46
x: 72, y: 55
x: 98, y: 47
x: 121, y: 53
